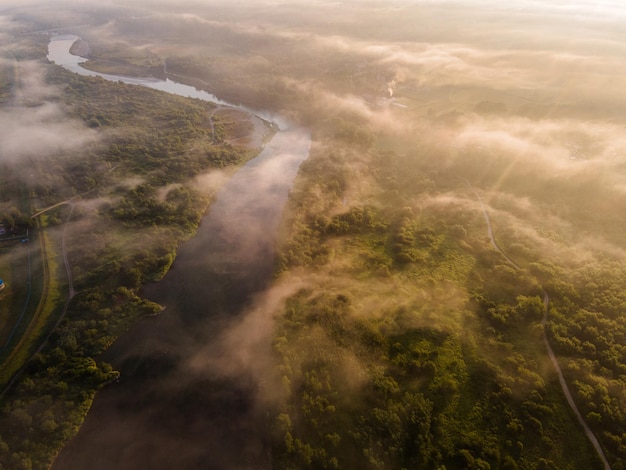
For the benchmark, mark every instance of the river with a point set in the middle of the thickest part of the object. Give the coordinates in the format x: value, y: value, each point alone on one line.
x: 158, y: 416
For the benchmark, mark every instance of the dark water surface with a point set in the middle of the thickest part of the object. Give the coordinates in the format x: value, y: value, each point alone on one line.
x: 159, y: 416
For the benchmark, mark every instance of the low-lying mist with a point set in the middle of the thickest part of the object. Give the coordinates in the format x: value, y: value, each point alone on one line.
x: 387, y: 290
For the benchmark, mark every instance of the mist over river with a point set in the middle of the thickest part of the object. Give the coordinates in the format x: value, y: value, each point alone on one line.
x: 158, y: 416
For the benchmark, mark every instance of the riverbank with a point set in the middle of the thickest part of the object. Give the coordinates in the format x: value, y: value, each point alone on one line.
x: 184, y: 420
x: 149, y: 165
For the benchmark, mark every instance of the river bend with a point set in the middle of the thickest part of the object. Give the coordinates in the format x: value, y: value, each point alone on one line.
x: 157, y: 417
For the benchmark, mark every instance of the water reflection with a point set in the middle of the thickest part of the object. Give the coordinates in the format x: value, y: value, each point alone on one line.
x: 159, y: 416
x: 59, y: 53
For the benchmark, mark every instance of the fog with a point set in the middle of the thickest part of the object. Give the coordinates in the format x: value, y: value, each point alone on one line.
x: 521, y: 103
x: 36, y: 125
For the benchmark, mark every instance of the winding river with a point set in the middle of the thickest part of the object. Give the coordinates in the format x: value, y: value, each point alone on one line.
x: 158, y: 416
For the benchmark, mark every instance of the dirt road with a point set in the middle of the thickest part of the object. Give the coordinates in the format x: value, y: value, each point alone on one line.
x: 546, y: 301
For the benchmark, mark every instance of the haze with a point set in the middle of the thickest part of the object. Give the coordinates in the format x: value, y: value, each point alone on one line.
x: 452, y: 247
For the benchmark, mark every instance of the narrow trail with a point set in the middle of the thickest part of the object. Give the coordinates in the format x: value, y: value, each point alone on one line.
x: 62, y: 203
x: 71, y: 199
x: 490, y: 230
x: 566, y: 391
x: 66, y: 262
x: 546, y: 302
x: 217, y: 108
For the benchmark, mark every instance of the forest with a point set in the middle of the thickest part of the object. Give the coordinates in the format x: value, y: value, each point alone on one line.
x: 458, y: 215
x: 415, y: 345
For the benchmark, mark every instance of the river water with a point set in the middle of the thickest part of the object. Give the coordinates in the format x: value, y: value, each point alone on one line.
x: 158, y: 416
